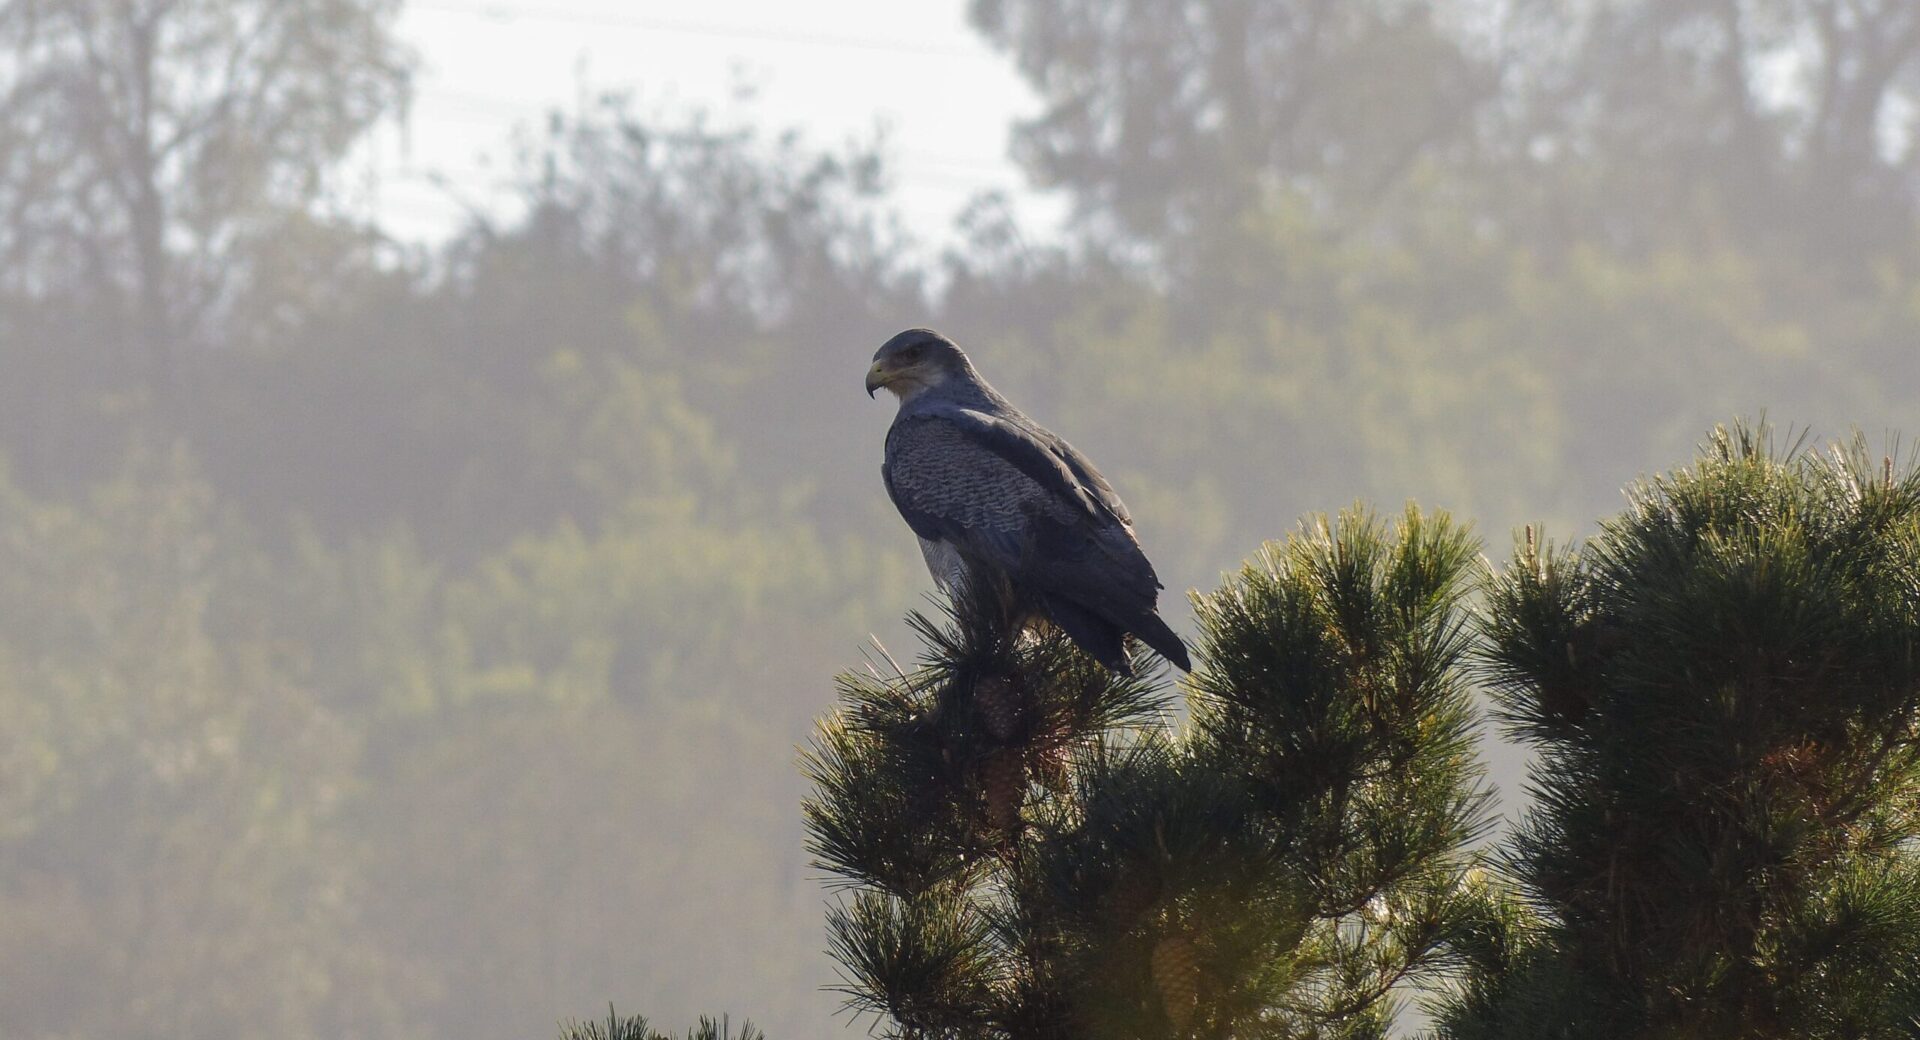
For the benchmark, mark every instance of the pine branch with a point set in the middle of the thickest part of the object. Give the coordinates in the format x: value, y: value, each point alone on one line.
x: 1724, y: 687
x: 635, y: 1027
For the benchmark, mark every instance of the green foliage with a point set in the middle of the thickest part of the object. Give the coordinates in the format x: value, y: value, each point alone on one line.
x: 1678, y: 126
x: 481, y: 527
x: 1162, y: 117
x: 1034, y: 851
x: 1336, y: 689
x: 150, y: 146
x: 1722, y: 686
x: 169, y: 779
x: 634, y: 1027
x: 916, y: 772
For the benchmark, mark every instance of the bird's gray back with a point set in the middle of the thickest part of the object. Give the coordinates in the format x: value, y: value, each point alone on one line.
x: 1006, y: 492
x: 935, y: 468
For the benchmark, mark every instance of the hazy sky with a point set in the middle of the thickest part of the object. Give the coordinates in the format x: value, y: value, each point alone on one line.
x: 834, y: 69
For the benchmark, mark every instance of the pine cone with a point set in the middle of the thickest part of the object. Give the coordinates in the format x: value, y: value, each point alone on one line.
x: 999, y: 705
x: 1176, y: 973
x: 1003, y: 779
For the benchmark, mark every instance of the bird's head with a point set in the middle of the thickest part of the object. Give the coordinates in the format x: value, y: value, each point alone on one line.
x: 914, y: 361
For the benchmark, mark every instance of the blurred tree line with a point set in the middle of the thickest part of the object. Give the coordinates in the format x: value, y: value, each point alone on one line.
x: 404, y: 641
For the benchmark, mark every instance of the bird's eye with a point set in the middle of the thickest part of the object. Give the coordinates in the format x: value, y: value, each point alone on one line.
x: 910, y: 355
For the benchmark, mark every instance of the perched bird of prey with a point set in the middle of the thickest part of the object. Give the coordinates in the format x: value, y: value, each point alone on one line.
x: 994, y: 496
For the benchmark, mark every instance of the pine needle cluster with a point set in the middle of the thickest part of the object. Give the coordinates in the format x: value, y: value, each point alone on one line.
x: 636, y: 1027
x: 1724, y: 690
x: 1030, y: 848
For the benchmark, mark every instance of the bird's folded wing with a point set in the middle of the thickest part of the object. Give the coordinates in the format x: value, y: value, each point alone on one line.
x: 960, y: 478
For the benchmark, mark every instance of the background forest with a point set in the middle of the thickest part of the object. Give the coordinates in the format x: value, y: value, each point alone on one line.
x: 414, y: 642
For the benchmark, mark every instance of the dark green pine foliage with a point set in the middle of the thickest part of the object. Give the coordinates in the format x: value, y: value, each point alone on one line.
x: 1722, y: 688
x: 635, y: 1027
x: 1030, y: 848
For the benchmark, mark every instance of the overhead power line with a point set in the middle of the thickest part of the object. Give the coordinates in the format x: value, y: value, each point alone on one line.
x: 911, y: 165
x: 523, y: 109
x: 511, y: 12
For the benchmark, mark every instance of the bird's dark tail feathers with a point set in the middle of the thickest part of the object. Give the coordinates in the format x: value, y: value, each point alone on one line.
x: 1155, y: 633
x: 1106, y: 641
x: 1103, y: 640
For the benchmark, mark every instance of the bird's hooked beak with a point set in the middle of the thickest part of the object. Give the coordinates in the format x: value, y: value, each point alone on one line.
x: 877, y: 377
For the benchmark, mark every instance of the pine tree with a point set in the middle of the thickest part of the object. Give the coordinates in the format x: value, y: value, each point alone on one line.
x: 636, y: 1027
x: 1723, y: 688
x: 1031, y: 849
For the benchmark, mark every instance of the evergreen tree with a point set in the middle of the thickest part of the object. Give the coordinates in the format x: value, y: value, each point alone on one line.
x: 1722, y: 687
x: 636, y: 1027
x: 1033, y: 850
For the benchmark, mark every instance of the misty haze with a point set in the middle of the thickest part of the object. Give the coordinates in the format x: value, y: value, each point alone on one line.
x: 437, y: 491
